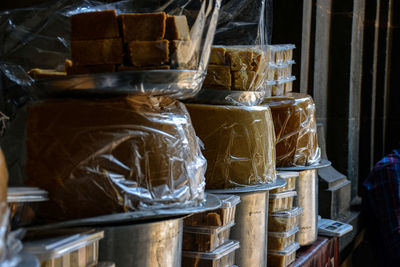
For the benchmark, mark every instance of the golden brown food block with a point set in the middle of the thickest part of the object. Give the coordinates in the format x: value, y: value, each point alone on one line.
x: 213, y: 219
x: 239, y: 58
x: 133, y: 68
x: 97, y: 52
x: 143, y: 26
x: 183, y: 55
x: 42, y: 73
x: 149, y: 53
x: 259, y: 61
x: 243, y: 80
x: 72, y: 69
x: 218, y: 77
x: 177, y: 28
x: 94, y: 25
x: 3, y: 178
x: 239, y: 144
x: 217, y: 56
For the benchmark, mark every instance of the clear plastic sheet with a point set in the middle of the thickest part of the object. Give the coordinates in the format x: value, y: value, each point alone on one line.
x: 239, y: 144
x: 39, y: 37
x: 295, y: 128
x: 102, y: 156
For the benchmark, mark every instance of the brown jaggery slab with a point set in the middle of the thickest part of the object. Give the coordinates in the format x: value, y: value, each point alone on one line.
x: 94, y: 25
x: 218, y: 77
x: 217, y: 56
x: 44, y: 73
x: 143, y: 26
x: 182, y: 54
x: 97, y: 52
x: 177, y: 28
x: 243, y: 80
x: 72, y: 69
x: 149, y: 53
x: 239, y: 58
x: 213, y: 219
x: 133, y: 68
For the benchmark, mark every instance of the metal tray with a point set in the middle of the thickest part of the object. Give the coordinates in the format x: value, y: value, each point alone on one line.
x: 322, y: 164
x: 212, y: 202
x: 226, y: 97
x: 180, y: 83
x: 251, y: 188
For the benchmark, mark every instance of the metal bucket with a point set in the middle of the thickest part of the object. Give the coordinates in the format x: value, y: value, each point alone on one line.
x: 307, y: 195
x: 153, y: 244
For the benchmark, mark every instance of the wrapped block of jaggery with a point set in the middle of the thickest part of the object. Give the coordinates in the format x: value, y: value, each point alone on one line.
x: 94, y: 25
x: 148, y: 53
x: 183, y: 55
x: 42, y: 73
x: 217, y: 55
x: 295, y: 129
x: 243, y: 80
x: 239, y: 144
x: 177, y: 28
x: 97, y: 52
x: 218, y: 77
x: 73, y: 69
x: 102, y: 156
x: 239, y: 58
x: 143, y: 26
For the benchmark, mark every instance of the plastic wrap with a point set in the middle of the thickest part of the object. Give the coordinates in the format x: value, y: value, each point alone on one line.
x: 295, y: 128
x: 282, y: 258
x: 39, y: 37
x: 239, y: 144
x: 96, y: 157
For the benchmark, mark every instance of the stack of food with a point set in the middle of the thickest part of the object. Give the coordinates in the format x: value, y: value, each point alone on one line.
x: 282, y: 222
x: 279, y: 80
x: 236, y: 68
x: 206, y: 239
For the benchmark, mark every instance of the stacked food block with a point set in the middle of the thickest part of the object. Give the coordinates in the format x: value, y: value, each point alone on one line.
x: 279, y: 79
x: 206, y: 236
x: 235, y: 68
x: 282, y: 222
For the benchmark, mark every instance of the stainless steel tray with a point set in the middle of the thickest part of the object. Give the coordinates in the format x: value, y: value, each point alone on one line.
x: 251, y: 188
x: 180, y: 83
x: 212, y: 202
x: 322, y: 164
x: 226, y: 97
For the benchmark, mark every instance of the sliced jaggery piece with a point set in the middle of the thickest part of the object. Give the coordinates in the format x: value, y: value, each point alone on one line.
x: 218, y: 77
x: 97, y: 52
x: 259, y: 61
x: 243, y: 80
x: 183, y: 54
x: 217, y: 56
x: 177, y: 28
x: 43, y: 73
x: 94, y: 25
x: 143, y: 26
x: 149, y: 53
x: 133, y: 68
x: 239, y: 58
x: 72, y: 69
x: 213, y: 219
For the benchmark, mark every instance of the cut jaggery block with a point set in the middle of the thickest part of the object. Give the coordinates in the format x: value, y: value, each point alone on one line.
x: 97, y: 52
x: 259, y: 62
x: 182, y: 54
x: 149, y: 53
x: 43, y: 73
x: 72, y: 69
x: 217, y: 56
x: 143, y: 26
x: 243, y: 80
x: 94, y: 25
x: 218, y: 77
x: 177, y: 28
x: 133, y: 68
x: 213, y: 219
x: 239, y: 58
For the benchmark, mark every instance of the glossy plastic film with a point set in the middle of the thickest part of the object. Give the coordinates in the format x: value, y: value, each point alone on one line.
x: 281, y: 240
x: 238, y: 144
x: 284, y: 257
x: 40, y: 37
x: 283, y: 221
x: 295, y: 128
x: 290, y: 178
x: 112, y: 155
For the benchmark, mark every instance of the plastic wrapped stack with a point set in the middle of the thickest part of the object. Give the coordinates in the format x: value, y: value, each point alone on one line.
x: 283, y: 222
x: 206, y: 236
